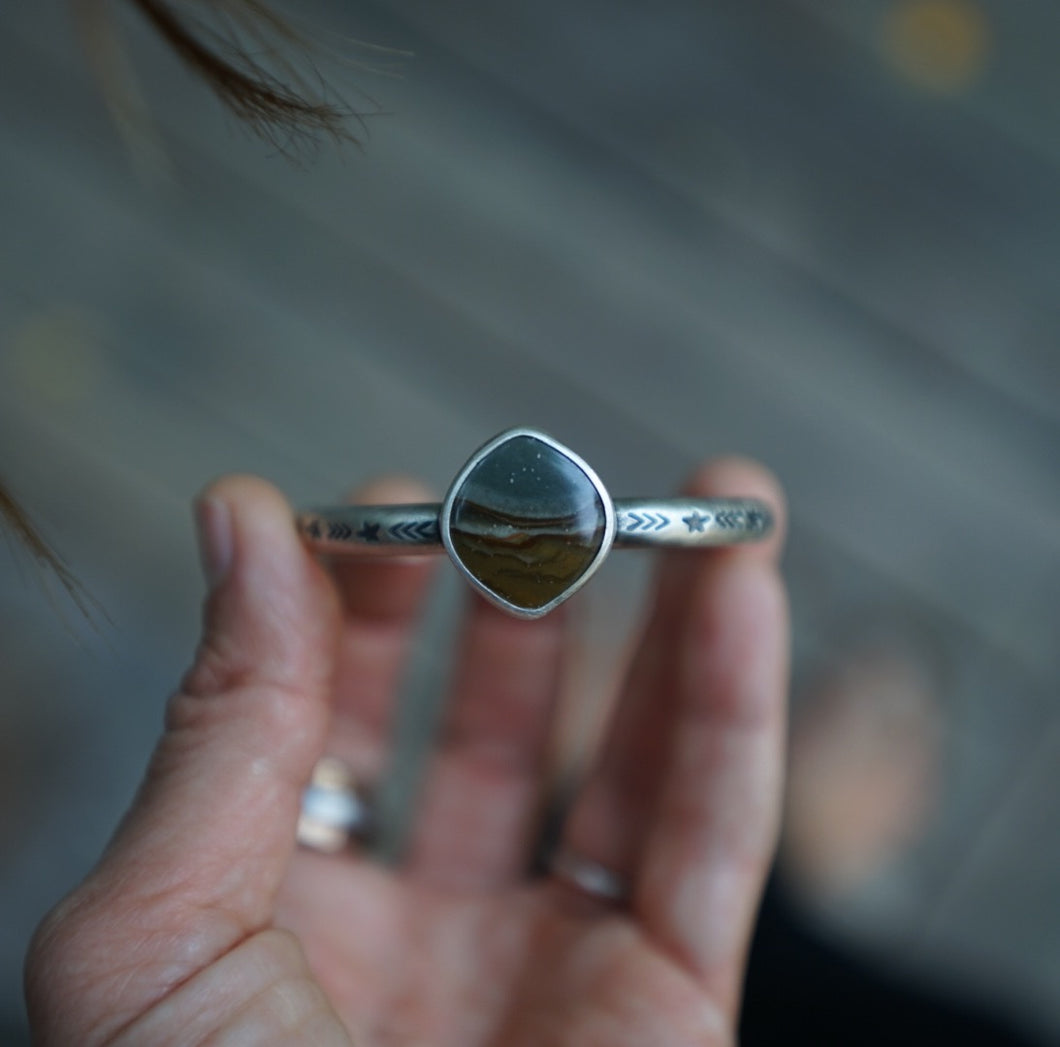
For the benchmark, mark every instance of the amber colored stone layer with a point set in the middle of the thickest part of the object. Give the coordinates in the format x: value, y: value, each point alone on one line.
x: 527, y: 568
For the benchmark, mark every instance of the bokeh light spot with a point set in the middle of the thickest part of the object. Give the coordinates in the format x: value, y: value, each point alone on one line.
x: 939, y: 45
x: 54, y: 354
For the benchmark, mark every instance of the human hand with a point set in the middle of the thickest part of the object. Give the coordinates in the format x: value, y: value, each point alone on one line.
x: 204, y: 923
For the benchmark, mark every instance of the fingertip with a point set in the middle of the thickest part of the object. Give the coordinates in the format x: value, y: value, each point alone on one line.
x: 243, y: 487
x: 236, y: 514
x: 268, y: 599
x: 390, y: 589
x: 730, y: 476
x: 392, y: 489
x: 733, y: 476
x: 250, y: 501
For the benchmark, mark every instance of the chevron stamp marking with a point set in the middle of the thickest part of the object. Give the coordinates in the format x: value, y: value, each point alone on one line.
x: 644, y: 521
x: 424, y: 531
x: 340, y: 532
x: 730, y: 518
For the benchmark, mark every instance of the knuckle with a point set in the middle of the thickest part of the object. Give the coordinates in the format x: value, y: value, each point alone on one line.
x: 62, y: 966
x: 219, y: 666
x: 279, y: 951
x: 273, y: 707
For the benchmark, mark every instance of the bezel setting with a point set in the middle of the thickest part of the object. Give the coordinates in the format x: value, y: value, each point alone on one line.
x: 454, y: 496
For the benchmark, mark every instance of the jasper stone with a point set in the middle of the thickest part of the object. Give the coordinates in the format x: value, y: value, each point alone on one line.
x: 527, y: 522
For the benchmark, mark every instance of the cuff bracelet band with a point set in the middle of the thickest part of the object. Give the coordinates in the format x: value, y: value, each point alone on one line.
x: 528, y: 522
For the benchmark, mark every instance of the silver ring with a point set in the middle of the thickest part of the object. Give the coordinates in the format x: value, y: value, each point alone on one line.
x: 335, y: 811
x: 528, y: 523
x: 590, y: 877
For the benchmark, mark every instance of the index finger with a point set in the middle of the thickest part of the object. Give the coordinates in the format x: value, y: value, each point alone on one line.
x: 381, y: 604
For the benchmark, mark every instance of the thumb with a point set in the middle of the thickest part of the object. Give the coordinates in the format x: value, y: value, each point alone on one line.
x: 222, y: 791
x: 196, y: 863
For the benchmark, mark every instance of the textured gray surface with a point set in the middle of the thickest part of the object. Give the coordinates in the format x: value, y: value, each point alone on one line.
x: 657, y: 231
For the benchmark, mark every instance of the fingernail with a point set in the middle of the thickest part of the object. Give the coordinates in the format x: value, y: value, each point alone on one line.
x: 213, y: 522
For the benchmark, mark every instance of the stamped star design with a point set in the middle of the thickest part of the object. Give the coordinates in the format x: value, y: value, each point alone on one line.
x: 314, y: 529
x: 369, y: 532
x: 695, y: 521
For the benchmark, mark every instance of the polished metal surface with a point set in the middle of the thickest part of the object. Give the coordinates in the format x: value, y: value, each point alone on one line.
x: 408, y: 530
x: 413, y: 530
x: 373, y: 530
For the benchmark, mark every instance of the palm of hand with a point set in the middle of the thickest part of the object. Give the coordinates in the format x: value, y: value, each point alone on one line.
x: 203, y: 923
x: 405, y: 964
